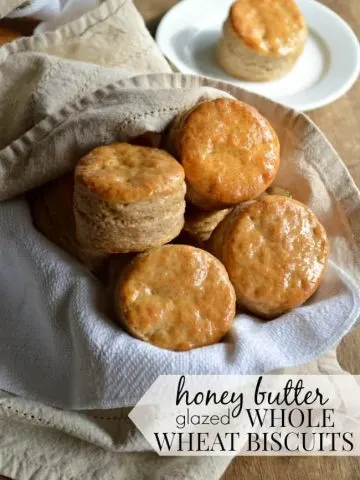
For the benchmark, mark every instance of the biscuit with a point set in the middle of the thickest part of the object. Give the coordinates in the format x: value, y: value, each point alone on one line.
x: 275, y: 251
x: 262, y: 39
x: 53, y: 215
x: 200, y: 224
x: 283, y: 192
x: 128, y: 198
x: 176, y: 297
x: 229, y: 151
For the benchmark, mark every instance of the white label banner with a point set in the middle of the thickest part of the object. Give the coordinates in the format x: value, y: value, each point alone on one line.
x: 251, y: 415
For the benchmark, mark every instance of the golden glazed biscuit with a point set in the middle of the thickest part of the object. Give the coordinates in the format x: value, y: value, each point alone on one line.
x: 176, y: 297
x: 53, y: 215
x: 230, y: 153
x: 128, y: 198
x: 200, y: 224
x: 275, y: 251
x: 262, y: 39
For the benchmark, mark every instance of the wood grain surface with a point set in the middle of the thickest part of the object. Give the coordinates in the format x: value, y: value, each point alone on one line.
x: 340, y: 122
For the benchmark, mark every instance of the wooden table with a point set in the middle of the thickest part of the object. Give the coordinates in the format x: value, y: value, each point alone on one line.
x: 340, y: 121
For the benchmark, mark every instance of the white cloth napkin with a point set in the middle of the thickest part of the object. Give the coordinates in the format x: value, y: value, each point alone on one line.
x: 38, y: 9
x: 60, y: 12
x: 59, y: 346
x: 53, y: 13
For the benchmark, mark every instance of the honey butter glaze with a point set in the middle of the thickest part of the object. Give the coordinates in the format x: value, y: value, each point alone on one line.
x: 271, y: 27
x: 275, y: 251
x: 128, y: 173
x: 229, y: 151
x: 176, y: 297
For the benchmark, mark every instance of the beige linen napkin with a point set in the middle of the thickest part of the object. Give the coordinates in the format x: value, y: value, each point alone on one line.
x: 41, y: 442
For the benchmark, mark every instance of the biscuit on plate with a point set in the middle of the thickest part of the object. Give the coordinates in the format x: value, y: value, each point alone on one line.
x: 53, y: 215
x: 262, y: 39
x: 229, y: 151
x: 128, y: 198
x: 176, y: 297
x: 275, y: 251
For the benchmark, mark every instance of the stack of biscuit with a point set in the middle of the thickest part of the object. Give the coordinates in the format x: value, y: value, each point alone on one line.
x: 234, y: 237
x: 128, y: 198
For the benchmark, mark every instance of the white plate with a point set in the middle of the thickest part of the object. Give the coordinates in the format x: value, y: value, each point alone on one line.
x: 327, y: 69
